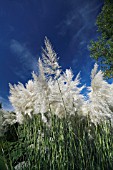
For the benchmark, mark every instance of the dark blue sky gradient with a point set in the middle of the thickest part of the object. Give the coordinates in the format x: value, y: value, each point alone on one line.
x: 69, y: 24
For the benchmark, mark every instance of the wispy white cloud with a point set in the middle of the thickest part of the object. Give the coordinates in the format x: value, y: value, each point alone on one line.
x: 26, y: 60
x: 6, y: 104
x: 80, y: 18
x: 92, y: 9
x: 87, y: 20
x: 79, y: 26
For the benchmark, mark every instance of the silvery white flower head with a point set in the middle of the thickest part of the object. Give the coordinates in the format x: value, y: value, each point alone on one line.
x: 41, y: 90
x: 6, y: 118
x: 41, y: 69
x: 2, y: 123
x: 70, y: 92
x: 19, y: 117
x: 21, y: 165
x: 22, y: 99
x: 9, y: 118
x: 73, y: 92
x: 99, y: 97
x: 50, y: 60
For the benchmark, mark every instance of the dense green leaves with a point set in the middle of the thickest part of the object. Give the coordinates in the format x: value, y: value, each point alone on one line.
x: 102, y: 49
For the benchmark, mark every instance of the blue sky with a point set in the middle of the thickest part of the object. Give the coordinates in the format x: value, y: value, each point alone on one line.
x: 69, y: 24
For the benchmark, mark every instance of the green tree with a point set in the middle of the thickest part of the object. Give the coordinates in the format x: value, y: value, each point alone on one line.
x: 102, y: 49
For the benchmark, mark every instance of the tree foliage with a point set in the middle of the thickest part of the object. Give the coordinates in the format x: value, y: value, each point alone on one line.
x: 102, y: 49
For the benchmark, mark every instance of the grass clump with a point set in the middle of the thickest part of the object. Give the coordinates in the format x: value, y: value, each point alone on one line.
x: 68, y: 143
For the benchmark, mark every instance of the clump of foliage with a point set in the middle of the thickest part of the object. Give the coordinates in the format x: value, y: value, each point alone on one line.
x: 102, y: 49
